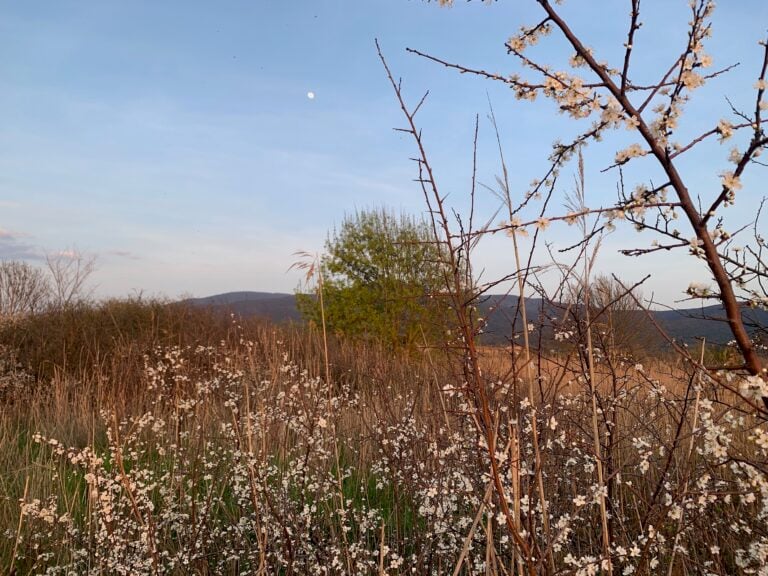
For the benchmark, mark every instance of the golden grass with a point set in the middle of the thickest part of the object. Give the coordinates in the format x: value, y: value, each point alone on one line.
x: 399, y: 420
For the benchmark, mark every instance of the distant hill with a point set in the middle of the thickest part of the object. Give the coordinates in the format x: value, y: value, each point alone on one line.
x: 273, y: 306
x: 683, y: 325
x: 709, y: 321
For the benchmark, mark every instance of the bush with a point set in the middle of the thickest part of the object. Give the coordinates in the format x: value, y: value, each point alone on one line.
x: 73, y: 339
x: 381, y: 277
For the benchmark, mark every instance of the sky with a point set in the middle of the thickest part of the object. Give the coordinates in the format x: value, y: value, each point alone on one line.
x: 177, y: 143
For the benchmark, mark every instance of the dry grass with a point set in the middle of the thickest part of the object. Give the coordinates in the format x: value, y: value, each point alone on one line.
x: 230, y: 454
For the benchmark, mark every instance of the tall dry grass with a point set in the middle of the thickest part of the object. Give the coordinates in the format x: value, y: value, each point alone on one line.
x: 229, y: 452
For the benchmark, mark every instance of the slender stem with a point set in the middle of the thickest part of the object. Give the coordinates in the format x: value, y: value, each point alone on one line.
x: 18, y: 528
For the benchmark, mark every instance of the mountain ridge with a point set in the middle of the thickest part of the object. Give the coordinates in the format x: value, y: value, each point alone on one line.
x: 685, y: 324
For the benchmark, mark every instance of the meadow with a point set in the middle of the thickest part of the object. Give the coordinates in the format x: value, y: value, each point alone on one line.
x: 383, y: 436
x: 148, y: 438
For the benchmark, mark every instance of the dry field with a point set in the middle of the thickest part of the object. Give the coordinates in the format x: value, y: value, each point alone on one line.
x: 179, y: 443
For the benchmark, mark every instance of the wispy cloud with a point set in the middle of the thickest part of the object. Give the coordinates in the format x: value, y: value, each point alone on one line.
x: 14, y: 246
x: 124, y: 254
x: 8, y: 235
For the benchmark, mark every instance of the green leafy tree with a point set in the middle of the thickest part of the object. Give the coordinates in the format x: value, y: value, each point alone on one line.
x: 382, y: 278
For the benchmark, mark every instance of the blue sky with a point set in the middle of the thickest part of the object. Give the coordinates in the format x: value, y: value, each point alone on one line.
x: 176, y: 141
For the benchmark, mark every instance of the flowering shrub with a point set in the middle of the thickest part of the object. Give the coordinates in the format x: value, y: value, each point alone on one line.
x: 234, y: 463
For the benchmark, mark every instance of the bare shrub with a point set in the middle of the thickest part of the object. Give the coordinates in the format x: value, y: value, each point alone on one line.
x: 24, y: 289
x: 69, y: 271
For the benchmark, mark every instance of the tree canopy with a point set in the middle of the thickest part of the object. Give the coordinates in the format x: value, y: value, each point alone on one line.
x: 382, y: 278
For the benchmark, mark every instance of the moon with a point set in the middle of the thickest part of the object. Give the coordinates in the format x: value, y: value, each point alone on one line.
x: 311, y: 95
